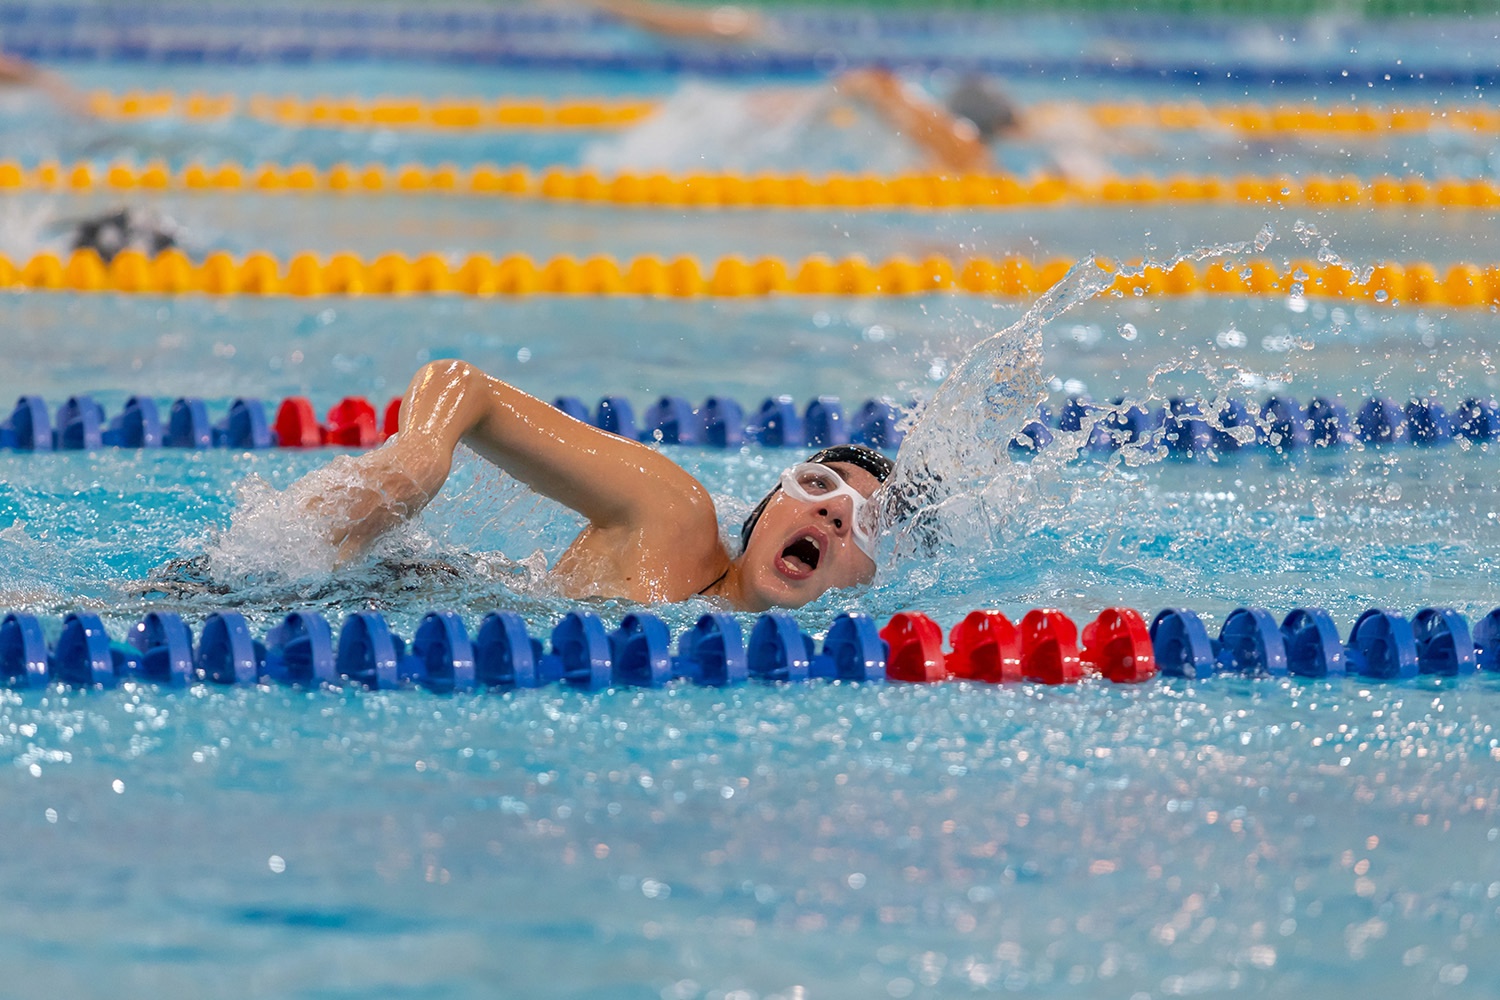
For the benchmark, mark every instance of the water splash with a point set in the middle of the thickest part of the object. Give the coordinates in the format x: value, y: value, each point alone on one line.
x: 956, y: 483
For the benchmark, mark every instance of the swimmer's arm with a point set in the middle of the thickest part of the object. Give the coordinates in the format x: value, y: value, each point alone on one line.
x: 22, y: 73
x: 725, y: 22
x: 619, y: 485
x: 951, y: 142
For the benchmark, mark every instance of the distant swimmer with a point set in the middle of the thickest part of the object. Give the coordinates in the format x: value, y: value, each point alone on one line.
x: 866, y: 120
x: 652, y: 534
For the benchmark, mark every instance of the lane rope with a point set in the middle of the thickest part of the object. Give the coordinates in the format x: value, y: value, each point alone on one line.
x: 761, y: 191
x: 477, y: 113
x: 1182, y: 427
x: 172, y: 272
x: 352, y: 112
x: 1045, y: 647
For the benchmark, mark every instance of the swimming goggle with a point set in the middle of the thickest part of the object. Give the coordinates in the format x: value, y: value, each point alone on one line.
x: 815, y: 483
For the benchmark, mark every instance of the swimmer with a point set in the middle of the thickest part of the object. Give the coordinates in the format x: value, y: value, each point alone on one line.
x: 652, y: 533
x: 952, y: 135
x: 708, y: 127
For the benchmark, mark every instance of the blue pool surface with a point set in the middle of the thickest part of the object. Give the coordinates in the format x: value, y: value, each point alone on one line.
x: 1214, y: 838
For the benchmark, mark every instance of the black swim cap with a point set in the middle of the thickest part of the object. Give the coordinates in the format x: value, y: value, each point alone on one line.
x: 980, y: 100
x: 868, y: 459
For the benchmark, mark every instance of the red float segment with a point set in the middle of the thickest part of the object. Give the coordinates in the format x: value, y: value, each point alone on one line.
x: 1049, y: 648
x: 1117, y: 645
x: 351, y: 424
x: 392, y: 422
x: 297, y: 424
x: 916, y: 649
x: 986, y: 647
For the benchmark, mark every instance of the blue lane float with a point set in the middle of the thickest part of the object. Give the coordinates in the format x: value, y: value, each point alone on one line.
x: 581, y: 652
x: 1196, y: 430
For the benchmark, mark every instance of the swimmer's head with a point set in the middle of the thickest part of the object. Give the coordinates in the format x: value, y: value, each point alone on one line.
x: 980, y: 101
x: 815, y: 531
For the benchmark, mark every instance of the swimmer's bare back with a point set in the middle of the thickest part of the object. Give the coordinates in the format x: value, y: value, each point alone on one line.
x: 652, y: 532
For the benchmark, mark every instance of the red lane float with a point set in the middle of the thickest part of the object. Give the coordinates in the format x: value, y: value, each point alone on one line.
x: 1117, y: 645
x: 986, y: 647
x: 1045, y: 648
x: 351, y: 423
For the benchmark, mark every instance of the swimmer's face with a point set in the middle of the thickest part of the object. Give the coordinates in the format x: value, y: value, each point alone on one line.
x: 801, y: 548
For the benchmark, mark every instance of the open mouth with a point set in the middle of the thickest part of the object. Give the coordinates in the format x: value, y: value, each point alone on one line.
x: 803, y: 553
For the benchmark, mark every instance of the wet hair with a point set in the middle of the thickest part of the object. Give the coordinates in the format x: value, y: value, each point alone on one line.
x: 858, y: 455
x: 981, y: 102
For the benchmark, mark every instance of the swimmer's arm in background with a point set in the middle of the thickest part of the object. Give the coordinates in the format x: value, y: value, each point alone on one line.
x: 622, y: 487
x: 952, y: 143
x: 21, y: 73
x: 726, y: 22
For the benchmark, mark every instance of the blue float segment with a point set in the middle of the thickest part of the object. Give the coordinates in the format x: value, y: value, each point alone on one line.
x: 580, y: 649
x: 1283, y: 425
x: 505, y: 656
x: 300, y: 650
x: 368, y: 653
x: 779, y: 651
x: 1382, y: 647
x: 1185, y: 432
x: 1181, y: 644
x: 1328, y: 423
x: 188, y: 425
x: 29, y: 427
x: 1030, y: 439
x: 164, y: 648
x: 1380, y: 421
x: 852, y: 651
x: 442, y: 657
x: 1477, y: 419
x: 138, y: 425
x: 1076, y: 411
x: 641, y: 649
x: 1250, y: 644
x: 776, y: 424
x: 672, y: 420
x: 573, y: 407
x: 82, y: 656
x: 617, y: 416
x: 877, y: 425
x: 1445, y: 647
x: 227, y: 653
x: 1487, y: 642
x: 245, y: 426
x: 723, y: 423
x: 1427, y: 422
x: 824, y: 424
x: 1233, y: 415
x: 712, y: 652
x: 1134, y: 424
x: 79, y: 426
x: 24, y: 661
x: 1313, y: 648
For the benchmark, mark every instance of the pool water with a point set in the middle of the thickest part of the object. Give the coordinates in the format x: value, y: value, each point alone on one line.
x: 1208, y: 838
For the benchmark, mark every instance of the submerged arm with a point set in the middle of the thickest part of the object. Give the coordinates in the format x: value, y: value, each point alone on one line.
x: 951, y: 142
